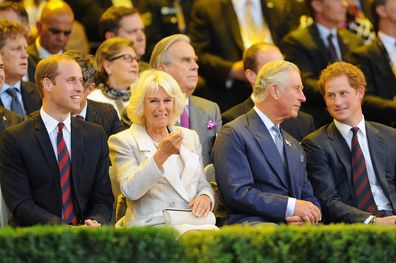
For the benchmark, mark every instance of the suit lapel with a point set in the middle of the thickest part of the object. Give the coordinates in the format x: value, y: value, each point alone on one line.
x: 92, y: 115
x: 343, y: 152
x: 43, y: 139
x: 293, y: 160
x: 146, y: 146
x: 318, y: 41
x: 77, y: 147
x: 260, y: 132
x: 233, y: 25
x: 197, y: 123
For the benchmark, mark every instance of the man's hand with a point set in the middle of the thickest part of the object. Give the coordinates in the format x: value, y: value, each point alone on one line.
x: 237, y: 71
x: 308, y: 212
x: 386, y: 221
x: 91, y: 223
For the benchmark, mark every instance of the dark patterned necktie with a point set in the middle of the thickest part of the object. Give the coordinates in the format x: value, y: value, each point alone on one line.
x: 68, y: 210
x: 332, y: 49
x: 15, y: 104
x: 364, y: 196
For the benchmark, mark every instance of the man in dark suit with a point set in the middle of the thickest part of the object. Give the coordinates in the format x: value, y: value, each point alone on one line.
x: 54, y: 168
x: 218, y: 31
x: 7, y: 118
x: 253, y: 59
x: 260, y: 169
x: 351, y: 162
x: 309, y: 48
x: 377, y: 62
x: 100, y: 113
x: 53, y: 33
x: 16, y: 95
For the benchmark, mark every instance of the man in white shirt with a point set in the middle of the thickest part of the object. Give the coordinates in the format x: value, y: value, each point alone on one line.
x: 351, y: 162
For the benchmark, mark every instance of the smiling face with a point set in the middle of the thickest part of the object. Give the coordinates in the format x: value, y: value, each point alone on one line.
x: 343, y: 101
x: 183, y: 66
x: 15, y: 59
x: 63, y: 95
x: 158, y: 109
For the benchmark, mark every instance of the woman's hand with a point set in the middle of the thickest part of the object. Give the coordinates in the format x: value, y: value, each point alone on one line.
x: 168, y: 146
x: 200, y: 205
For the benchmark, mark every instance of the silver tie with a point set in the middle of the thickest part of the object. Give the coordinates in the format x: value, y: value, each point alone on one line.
x: 279, y: 142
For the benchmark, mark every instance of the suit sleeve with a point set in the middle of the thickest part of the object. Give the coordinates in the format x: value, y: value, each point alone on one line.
x: 236, y: 181
x: 15, y: 185
x: 134, y: 176
x: 200, y: 33
x: 322, y: 179
x: 100, y: 203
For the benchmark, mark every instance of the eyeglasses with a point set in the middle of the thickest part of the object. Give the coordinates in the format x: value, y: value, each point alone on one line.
x: 57, y: 31
x: 126, y: 57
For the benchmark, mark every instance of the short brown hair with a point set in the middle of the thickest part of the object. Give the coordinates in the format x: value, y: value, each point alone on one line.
x: 250, y: 55
x: 354, y: 74
x: 10, y: 30
x: 48, y: 68
x: 110, y: 20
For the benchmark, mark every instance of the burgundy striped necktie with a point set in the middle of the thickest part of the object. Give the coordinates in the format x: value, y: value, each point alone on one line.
x: 68, y: 210
x: 364, y: 196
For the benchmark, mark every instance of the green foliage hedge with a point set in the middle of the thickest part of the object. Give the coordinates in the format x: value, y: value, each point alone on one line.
x: 333, y: 243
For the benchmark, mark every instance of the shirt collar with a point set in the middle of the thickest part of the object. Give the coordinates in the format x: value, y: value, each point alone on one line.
x: 43, y: 53
x: 345, y: 129
x: 51, y: 124
x: 6, y: 86
x: 268, y: 123
x: 388, y: 41
x: 324, y: 31
x: 83, y: 112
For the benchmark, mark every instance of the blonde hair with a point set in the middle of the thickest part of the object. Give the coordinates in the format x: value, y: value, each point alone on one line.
x: 273, y: 72
x: 150, y: 81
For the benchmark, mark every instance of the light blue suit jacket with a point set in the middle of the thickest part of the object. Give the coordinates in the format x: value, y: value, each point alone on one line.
x: 251, y: 176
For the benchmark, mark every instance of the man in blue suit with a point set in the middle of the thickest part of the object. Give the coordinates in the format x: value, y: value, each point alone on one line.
x: 260, y: 170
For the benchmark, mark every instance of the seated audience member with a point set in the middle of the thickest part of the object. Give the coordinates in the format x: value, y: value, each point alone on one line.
x: 377, y: 62
x: 126, y: 22
x: 351, y: 162
x: 159, y: 166
x: 16, y: 95
x: 259, y: 168
x: 176, y: 56
x: 53, y: 33
x: 100, y: 113
x: 221, y: 30
x: 312, y: 48
x: 54, y: 168
x: 253, y: 59
x: 7, y: 118
x: 118, y: 67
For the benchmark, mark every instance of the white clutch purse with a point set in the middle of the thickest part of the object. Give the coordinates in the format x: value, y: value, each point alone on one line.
x: 185, y: 216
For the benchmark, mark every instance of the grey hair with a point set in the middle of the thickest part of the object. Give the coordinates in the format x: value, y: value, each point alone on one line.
x: 160, y: 54
x: 273, y: 72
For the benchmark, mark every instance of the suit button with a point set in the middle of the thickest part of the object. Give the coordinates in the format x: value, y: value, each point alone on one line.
x: 172, y: 204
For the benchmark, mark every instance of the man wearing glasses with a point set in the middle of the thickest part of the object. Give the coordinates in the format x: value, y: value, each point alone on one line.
x: 53, y: 29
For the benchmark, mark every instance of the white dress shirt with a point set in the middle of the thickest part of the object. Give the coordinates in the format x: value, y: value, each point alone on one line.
x: 324, y: 33
x: 379, y: 197
x: 52, y: 128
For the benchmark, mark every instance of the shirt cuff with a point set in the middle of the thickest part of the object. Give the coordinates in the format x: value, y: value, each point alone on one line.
x: 368, y: 219
x: 291, y: 204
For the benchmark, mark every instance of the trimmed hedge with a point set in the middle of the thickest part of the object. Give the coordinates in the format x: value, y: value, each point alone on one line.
x: 333, y: 243
x: 84, y: 245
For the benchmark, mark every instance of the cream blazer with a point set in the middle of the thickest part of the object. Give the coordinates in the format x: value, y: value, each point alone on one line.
x: 148, y: 189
